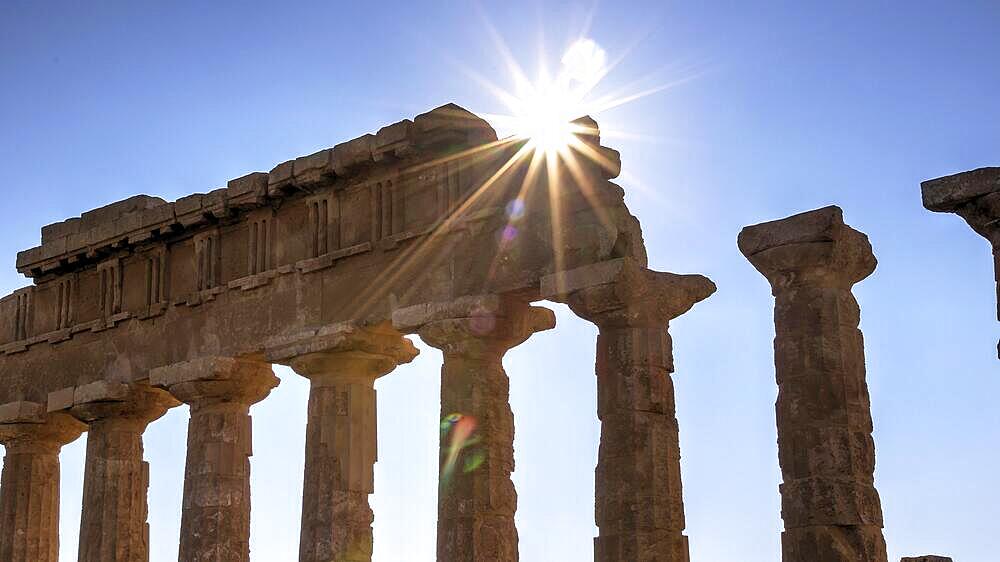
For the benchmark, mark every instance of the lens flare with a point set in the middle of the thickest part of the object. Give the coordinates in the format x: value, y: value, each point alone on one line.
x: 509, y: 233
x: 585, y: 61
x: 515, y: 209
x: 460, y: 432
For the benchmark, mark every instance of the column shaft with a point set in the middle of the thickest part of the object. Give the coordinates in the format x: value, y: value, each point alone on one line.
x: 827, y: 455
x: 113, y: 523
x: 339, y: 473
x: 639, y: 500
x: 342, y: 363
x: 476, y: 496
x: 829, y: 504
x: 29, y: 484
x: 29, y: 506
x: 215, y: 515
x: 640, y: 507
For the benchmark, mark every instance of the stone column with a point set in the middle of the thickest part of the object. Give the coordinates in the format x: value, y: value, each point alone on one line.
x: 341, y: 363
x: 829, y: 503
x: 476, y: 497
x: 29, y: 486
x: 974, y: 196
x: 640, y: 507
x: 113, y: 524
x: 215, y: 516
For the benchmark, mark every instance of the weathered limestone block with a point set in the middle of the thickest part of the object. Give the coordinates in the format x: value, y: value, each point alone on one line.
x: 113, y: 524
x: 928, y: 558
x: 341, y: 363
x: 29, y: 486
x: 215, y: 516
x: 476, y: 497
x: 830, y: 506
x: 974, y: 196
x: 640, y: 507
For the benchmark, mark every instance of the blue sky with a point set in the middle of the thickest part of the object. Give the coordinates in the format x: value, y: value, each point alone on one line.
x: 780, y: 107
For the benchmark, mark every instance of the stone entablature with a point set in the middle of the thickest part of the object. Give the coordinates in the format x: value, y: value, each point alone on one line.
x: 187, y: 251
x: 363, y: 203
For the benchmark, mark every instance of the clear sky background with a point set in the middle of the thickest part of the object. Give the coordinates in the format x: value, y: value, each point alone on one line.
x: 780, y: 107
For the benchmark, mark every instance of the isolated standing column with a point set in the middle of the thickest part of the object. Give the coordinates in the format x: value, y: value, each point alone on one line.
x: 215, y: 515
x: 29, y: 486
x: 640, y: 506
x: 476, y: 497
x: 342, y: 365
x: 974, y: 196
x: 829, y: 504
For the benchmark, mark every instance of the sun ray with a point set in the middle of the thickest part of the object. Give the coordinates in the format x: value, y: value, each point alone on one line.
x: 542, y: 116
x: 420, y: 253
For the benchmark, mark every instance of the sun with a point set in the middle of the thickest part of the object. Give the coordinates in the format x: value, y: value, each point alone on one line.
x: 542, y: 112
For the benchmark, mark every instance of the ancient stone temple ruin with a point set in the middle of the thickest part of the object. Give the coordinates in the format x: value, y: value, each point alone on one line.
x: 433, y: 228
x: 430, y: 226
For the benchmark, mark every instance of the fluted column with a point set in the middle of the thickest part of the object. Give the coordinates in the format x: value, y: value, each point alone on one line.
x: 215, y: 516
x: 342, y: 364
x: 476, y: 497
x: 831, y: 509
x: 640, y: 506
x: 29, y: 485
x: 974, y: 196
x: 113, y: 523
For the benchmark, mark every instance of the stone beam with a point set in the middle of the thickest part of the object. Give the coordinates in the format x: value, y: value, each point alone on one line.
x: 424, y: 210
x: 974, y: 196
x: 29, y: 486
x: 640, y: 506
x: 829, y: 503
x: 476, y: 497
x: 927, y: 558
x: 342, y: 363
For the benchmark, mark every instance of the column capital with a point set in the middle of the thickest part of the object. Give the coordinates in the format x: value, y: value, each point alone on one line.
x: 26, y: 427
x: 342, y: 350
x: 811, y: 249
x: 497, y: 321
x: 973, y: 195
x: 622, y: 292
x: 216, y: 380
x: 103, y: 400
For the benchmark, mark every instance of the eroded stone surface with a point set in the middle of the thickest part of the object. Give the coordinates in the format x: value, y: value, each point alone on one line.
x: 113, y: 523
x: 29, y: 485
x: 476, y: 497
x: 640, y: 506
x: 341, y: 442
x: 829, y: 503
x: 215, y: 515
